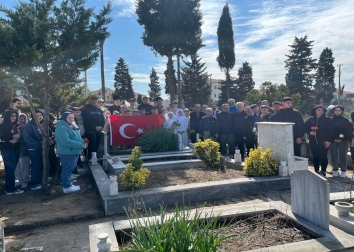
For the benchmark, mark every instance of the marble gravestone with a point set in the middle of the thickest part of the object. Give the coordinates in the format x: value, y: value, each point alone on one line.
x: 2, y: 237
x: 310, y: 197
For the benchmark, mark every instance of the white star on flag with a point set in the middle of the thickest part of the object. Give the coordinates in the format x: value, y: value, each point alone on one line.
x: 140, y: 131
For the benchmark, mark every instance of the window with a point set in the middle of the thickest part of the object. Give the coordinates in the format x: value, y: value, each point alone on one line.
x: 215, y: 86
x: 214, y: 95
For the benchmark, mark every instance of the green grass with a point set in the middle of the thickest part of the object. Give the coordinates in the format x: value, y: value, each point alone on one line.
x: 183, y: 230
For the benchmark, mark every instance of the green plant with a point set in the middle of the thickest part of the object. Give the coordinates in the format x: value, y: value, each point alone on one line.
x: 134, y: 175
x: 183, y: 230
x: 261, y: 163
x: 208, y: 152
x: 157, y: 140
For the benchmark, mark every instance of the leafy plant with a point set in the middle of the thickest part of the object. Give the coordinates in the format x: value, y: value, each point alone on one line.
x: 134, y: 175
x: 261, y: 163
x: 157, y: 140
x: 183, y: 230
x: 208, y: 152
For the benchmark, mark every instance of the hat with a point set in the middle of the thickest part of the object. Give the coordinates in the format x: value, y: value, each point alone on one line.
x: 285, y: 99
x: 94, y: 97
x: 136, y: 110
x: 145, y: 97
x: 132, y: 99
x: 186, y: 109
x: 253, y: 106
x: 40, y: 111
x: 276, y: 103
x: 175, y: 102
x: 158, y: 98
x: 153, y: 108
x: 259, y: 102
x: 116, y: 97
x: 100, y: 100
x: 264, y: 106
x: 15, y: 99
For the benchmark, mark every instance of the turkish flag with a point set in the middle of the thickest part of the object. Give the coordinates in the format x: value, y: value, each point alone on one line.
x: 125, y: 130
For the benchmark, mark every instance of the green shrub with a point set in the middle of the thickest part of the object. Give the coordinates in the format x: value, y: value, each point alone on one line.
x: 134, y: 175
x: 157, y: 140
x: 183, y: 230
x: 208, y: 152
x: 261, y: 163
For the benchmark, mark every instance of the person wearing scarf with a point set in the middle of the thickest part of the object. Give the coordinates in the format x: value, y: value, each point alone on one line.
x: 69, y: 147
x: 10, y: 149
x: 182, y: 129
x: 319, y: 128
x: 342, y: 136
x: 169, y: 121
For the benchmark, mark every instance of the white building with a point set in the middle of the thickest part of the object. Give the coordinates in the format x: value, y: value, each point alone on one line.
x: 215, y: 89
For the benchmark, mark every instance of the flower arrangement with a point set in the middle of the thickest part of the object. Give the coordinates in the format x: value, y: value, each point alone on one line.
x: 176, y: 124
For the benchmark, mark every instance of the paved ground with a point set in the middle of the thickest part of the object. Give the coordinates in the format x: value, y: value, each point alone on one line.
x: 73, y: 236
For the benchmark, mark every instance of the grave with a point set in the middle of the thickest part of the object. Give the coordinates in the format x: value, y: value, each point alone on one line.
x: 2, y: 237
x: 310, y: 196
x: 279, y: 138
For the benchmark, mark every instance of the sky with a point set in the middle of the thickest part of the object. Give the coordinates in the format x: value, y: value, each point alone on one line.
x: 263, y: 31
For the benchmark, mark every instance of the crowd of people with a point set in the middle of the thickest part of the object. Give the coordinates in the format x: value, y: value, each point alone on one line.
x: 78, y: 133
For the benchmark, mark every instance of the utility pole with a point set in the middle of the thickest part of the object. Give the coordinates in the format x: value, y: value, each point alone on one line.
x: 85, y: 92
x: 339, y: 86
x: 102, y: 71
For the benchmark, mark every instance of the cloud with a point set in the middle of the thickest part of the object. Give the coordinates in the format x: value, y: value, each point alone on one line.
x: 125, y: 8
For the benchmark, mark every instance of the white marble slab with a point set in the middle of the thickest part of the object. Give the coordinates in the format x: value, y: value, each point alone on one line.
x: 310, y: 194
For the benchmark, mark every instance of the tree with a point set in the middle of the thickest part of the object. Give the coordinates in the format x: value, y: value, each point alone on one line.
x: 172, y: 28
x: 174, y: 83
x: 324, y: 84
x: 140, y: 99
x: 244, y: 82
x: 231, y: 85
x: 196, y: 87
x: 123, y: 80
x: 300, y: 65
x: 273, y: 92
x: 47, y: 43
x: 155, y: 89
x: 253, y: 96
x: 226, y: 58
x: 6, y: 90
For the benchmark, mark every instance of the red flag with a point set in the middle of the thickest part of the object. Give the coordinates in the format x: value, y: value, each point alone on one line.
x: 125, y: 130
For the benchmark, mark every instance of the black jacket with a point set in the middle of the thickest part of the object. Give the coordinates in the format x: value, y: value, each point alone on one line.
x: 114, y: 108
x: 7, y: 130
x: 147, y: 108
x: 342, y: 126
x: 93, y: 117
x: 211, y: 121
x: 248, y: 127
x: 291, y: 115
x: 323, y: 126
x: 239, y: 118
x: 195, y: 121
x: 225, y: 123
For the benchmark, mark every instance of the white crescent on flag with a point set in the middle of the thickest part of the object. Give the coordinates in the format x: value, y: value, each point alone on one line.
x: 121, y: 130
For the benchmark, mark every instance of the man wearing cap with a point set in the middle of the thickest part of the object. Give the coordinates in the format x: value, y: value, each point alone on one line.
x: 195, y: 118
x: 159, y: 105
x: 93, y: 122
x: 208, y: 126
x: 146, y: 106
x: 136, y: 112
x: 276, y: 105
x: 288, y: 114
x: 116, y: 104
x: 255, y: 111
x: 174, y: 107
x: 131, y: 106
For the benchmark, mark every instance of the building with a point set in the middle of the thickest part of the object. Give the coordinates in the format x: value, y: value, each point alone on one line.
x: 215, y: 89
x: 109, y: 95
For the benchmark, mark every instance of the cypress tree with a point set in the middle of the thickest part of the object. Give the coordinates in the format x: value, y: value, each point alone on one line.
x: 196, y: 88
x: 300, y: 65
x: 174, y: 81
x: 231, y: 85
x: 123, y: 80
x: 244, y: 82
x: 155, y: 89
x: 226, y: 58
x: 324, y: 84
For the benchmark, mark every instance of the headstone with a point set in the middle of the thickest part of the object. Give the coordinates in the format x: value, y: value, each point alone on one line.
x: 94, y: 158
x: 283, y: 169
x: 237, y: 156
x: 113, y: 185
x: 2, y: 237
x: 310, y: 197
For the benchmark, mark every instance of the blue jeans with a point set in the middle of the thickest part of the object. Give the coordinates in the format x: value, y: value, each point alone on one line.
x: 36, y: 167
x: 68, y: 163
x: 10, y: 158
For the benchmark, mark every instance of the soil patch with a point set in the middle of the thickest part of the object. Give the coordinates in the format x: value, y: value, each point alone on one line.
x: 186, y: 176
x: 33, y: 209
x: 263, y: 230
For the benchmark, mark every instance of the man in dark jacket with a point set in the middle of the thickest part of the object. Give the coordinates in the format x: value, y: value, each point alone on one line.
x: 208, y: 125
x: 341, y: 136
x: 239, y: 128
x: 249, y: 135
x: 146, y: 106
x: 195, y: 118
x: 215, y: 109
x: 93, y: 122
x: 288, y: 114
x: 225, y: 130
x: 116, y: 105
